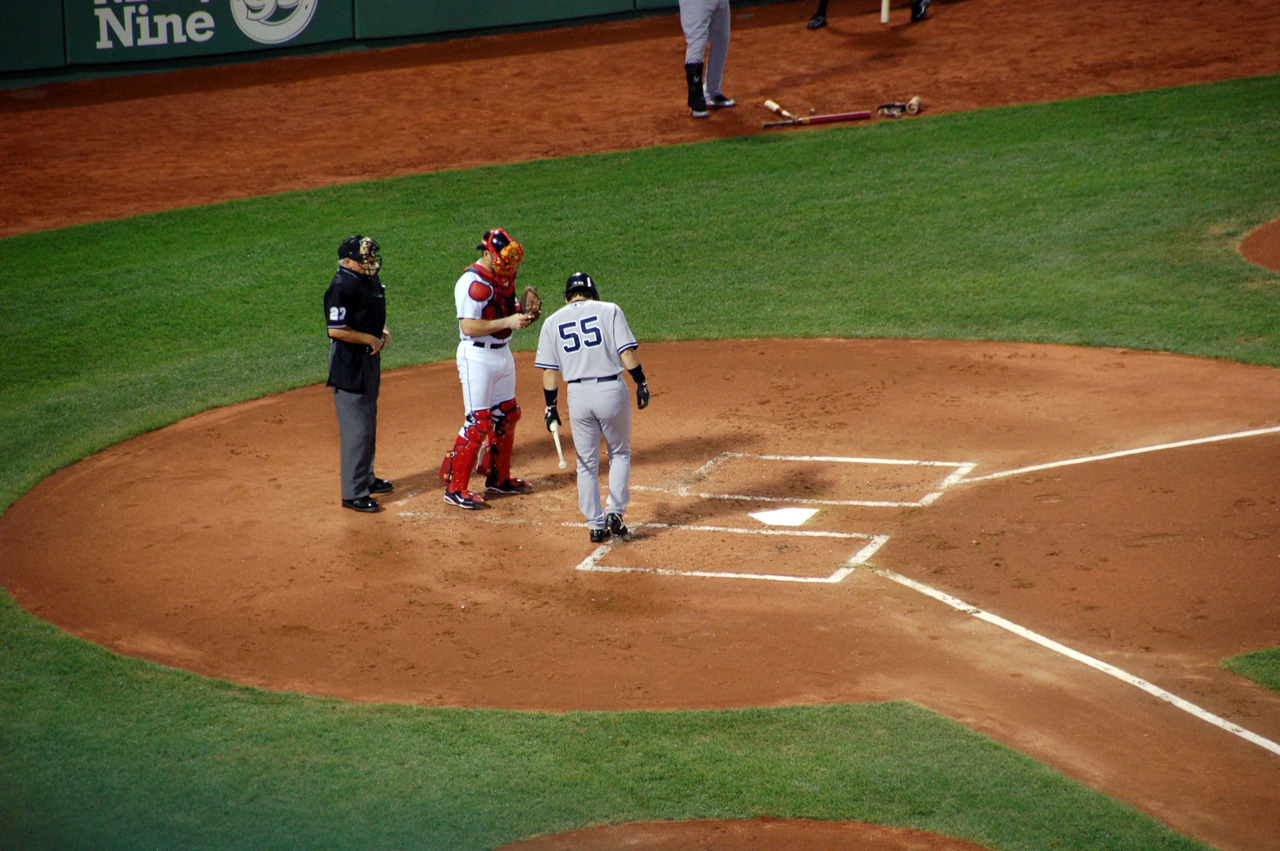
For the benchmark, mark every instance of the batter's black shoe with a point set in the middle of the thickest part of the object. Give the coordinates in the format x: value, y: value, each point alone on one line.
x: 365, y: 504
x: 599, y: 536
x: 381, y: 486
x: 616, y: 527
x: 697, y: 101
x: 818, y: 21
x: 919, y: 10
x: 720, y: 102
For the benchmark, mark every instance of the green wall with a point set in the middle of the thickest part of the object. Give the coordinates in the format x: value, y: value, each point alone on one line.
x: 387, y: 18
x: 112, y: 31
x: 37, y: 35
x: 30, y: 35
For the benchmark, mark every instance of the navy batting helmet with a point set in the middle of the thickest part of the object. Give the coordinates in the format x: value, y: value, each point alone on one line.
x: 580, y: 283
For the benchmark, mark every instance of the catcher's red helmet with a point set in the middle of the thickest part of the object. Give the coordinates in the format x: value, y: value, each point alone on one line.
x: 507, y: 253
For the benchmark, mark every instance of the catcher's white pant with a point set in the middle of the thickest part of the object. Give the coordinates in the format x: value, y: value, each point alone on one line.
x: 706, y: 22
x: 601, y: 409
x: 488, y: 376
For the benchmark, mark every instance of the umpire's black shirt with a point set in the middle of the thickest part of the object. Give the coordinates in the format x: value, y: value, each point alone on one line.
x: 358, y: 302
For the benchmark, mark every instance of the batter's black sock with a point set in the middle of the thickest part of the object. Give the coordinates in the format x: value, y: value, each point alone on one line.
x: 697, y: 100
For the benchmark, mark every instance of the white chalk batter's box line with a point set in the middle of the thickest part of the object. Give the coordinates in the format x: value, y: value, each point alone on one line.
x: 959, y: 470
x: 591, y: 563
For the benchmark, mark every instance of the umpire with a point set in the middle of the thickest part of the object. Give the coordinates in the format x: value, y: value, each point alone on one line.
x: 355, y: 307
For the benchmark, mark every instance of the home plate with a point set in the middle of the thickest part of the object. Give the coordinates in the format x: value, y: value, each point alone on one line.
x: 785, y: 516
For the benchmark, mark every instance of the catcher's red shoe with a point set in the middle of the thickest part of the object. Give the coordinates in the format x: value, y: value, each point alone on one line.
x: 510, y: 486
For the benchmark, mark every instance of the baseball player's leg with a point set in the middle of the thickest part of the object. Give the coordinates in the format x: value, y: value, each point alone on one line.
x: 615, y: 425
x: 695, y: 20
x: 459, y: 462
x: 506, y: 413
x: 499, y: 478
x: 586, y: 445
x: 717, y: 52
x: 476, y: 374
x: 819, y: 19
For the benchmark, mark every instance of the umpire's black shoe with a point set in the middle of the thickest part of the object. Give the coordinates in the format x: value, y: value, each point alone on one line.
x: 818, y: 21
x: 919, y: 10
x: 599, y: 536
x: 366, y: 504
x: 616, y: 527
x: 381, y: 486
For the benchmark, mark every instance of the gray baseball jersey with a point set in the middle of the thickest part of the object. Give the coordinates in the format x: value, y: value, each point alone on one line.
x: 584, y: 341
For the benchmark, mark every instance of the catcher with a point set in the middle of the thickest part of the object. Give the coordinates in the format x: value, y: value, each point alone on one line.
x: 488, y: 313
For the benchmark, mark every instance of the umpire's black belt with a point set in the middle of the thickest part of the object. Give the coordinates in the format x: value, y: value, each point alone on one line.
x: 488, y: 345
x: 593, y: 380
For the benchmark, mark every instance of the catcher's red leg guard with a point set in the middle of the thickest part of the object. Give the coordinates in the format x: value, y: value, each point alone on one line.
x: 499, y: 480
x: 457, y: 466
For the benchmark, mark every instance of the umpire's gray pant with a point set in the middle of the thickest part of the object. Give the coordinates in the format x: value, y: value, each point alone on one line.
x: 706, y: 30
x: 358, y: 431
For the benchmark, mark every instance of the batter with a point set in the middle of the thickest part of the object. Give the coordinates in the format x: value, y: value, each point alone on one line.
x: 589, y: 342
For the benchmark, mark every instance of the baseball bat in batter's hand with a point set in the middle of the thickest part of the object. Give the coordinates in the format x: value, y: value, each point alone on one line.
x: 555, y: 433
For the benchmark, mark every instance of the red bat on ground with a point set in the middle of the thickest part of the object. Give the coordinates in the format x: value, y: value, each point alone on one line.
x: 821, y: 119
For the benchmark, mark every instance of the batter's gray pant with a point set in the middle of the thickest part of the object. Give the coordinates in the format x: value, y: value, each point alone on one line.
x: 706, y: 22
x: 598, y: 410
x: 358, y: 435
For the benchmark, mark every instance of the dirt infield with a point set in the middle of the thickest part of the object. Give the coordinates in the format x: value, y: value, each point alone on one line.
x: 1159, y: 563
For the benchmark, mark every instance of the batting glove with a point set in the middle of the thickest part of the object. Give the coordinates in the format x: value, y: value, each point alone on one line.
x: 551, y: 416
x: 642, y: 395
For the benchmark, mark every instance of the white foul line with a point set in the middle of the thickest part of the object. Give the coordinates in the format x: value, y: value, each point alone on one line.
x: 1124, y: 453
x: 1097, y: 664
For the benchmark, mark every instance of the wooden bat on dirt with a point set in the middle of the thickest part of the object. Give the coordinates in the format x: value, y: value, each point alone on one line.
x: 811, y: 119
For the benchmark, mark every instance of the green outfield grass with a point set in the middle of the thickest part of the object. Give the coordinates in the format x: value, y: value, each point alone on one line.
x: 1105, y: 222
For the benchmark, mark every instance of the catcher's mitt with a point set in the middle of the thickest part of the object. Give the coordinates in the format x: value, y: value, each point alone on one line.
x: 531, y: 303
